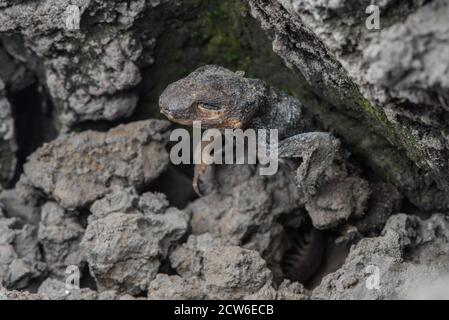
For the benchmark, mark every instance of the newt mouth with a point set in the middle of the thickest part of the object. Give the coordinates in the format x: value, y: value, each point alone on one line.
x: 207, y: 114
x: 169, y: 116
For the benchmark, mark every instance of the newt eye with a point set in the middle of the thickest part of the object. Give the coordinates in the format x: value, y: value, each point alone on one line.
x: 208, y: 106
x: 209, y: 111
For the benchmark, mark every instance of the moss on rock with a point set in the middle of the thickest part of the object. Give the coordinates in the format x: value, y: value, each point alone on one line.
x: 209, y: 32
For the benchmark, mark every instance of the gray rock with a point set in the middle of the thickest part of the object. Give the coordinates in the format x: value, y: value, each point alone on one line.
x: 125, y: 248
x: 408, y: 62
x: 60, y: 234
x: 17, y: 295
x: 328, y: 44
x: 21, y: 203
x: 211, y: 268
x: 91, y: 73
x: 77, y: 169
x: 188, y: 258
x: 385, y: 200
x: 286, y: 291
x: 236, y: 214
x: 13, y: 70
x: 232, y: 272
x: 410, y: 254
x: 249, y: 214
x: 165, y: 287
x: 52, y: 289
x: 20, y: 258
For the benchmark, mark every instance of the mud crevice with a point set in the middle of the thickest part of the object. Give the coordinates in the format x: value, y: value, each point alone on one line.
x: 33, y: 117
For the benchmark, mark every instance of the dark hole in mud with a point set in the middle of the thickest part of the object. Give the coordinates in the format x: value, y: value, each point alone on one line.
x: 309, y: 258
x: 42, y: 252
x: 248, y: 236
x: 176, y: 184
x: 410, y: 208
x: 82, y: 217
x: 306, y: 249
x: 101, y: 125
x: 142, y: 294
x: 33, y: 122
x: 34, y: 284
x: 86, y: 280
x: 334, y: 257
x: 17, y: 224
x: 166, y: 268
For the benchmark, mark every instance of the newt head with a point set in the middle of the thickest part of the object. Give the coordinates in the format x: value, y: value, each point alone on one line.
x: 216, y: 96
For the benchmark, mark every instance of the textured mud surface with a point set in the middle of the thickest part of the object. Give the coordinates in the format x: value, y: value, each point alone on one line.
x: 357, y: 210
x: 341, y: 59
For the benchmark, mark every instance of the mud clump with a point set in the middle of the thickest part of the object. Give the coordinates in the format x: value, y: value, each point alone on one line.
x: 60, y: 234
x: 409, y: 254
x: 21, y: 260
x: 77, y: 169
x: 128, y: 237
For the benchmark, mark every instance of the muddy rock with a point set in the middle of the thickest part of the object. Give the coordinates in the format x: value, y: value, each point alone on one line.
x: 188, y: 258
x: 385, y: 200
x: 52, y: 289
x: 410, y: 254
x: 408, y: 62
x: 250, y: 213
x: 345, y: 64
x: 56, y: 290
x: 222, y: 179
x: 126, y: 242
x: 17, y: 295
x: 91, y: 72
x: 60, y: 234
x: 338, y: 201
x: 165, y: 287
x: 21, y: 261
x: 21, y: 203
x: 175, y: 287
x: 77, y: 169
x: 13, y: 72
x: 286, y: 291
x: 211, y: 269
x: 233, y: 223
x: 223, y: 274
